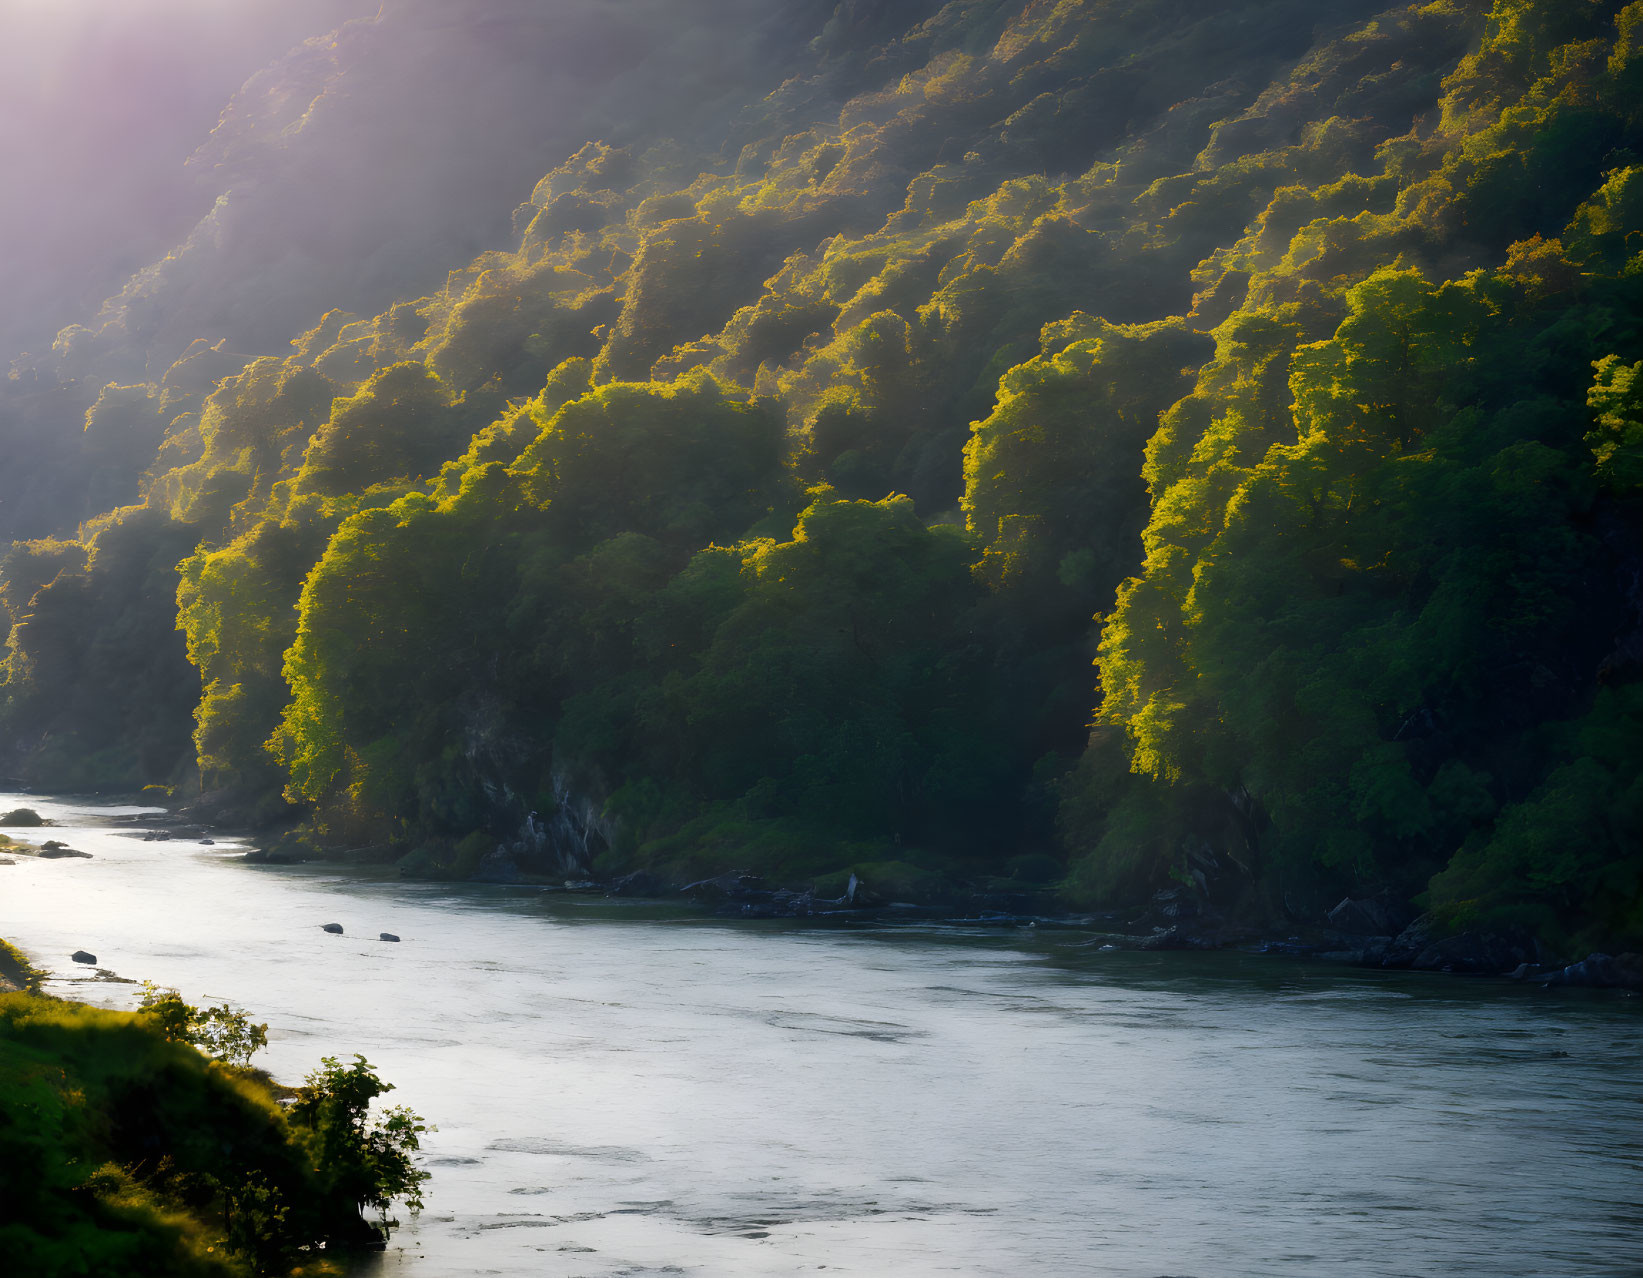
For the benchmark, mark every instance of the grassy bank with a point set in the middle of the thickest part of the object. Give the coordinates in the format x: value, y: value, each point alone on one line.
x: 125, y: 1149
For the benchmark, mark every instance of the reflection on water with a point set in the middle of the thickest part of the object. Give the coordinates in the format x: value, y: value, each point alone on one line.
x: 628, y: 1092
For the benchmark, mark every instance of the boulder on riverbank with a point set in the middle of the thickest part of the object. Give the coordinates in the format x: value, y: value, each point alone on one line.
x: 1426, y: 946
x: 1600, y: 971
x: 273, y: 856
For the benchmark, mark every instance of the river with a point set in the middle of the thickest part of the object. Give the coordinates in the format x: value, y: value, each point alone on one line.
x: 622, y: 1090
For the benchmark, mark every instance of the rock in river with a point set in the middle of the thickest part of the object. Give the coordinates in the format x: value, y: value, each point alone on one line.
x: 334, y: 928
x: 383, y: 936
x: 55, y: 851
x: 83, y: 956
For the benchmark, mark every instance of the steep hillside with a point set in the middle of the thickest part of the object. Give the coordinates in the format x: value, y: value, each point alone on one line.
x: 751, y: 507
x: 354, y: 169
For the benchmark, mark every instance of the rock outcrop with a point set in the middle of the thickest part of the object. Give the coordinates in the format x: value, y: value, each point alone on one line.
x: 1379, y: 915
x: 1427, y: 946
x: 500, y: 865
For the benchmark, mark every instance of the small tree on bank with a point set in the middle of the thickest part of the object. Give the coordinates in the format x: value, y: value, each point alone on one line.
x: 354, y: 1166
x: 362, y: 1165
x: 223, y: 1033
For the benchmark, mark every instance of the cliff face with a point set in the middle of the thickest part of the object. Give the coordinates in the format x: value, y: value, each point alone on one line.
x: 566, y: 843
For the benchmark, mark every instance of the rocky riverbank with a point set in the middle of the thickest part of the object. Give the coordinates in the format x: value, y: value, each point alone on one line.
x: 1375, y: 932
x: 1381, y: 932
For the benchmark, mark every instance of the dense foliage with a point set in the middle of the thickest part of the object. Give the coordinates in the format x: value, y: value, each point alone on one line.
x: 752, y: 509
x: 224, y: 1032
x: 125, y: 1150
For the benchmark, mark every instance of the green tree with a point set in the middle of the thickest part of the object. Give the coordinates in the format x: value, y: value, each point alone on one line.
x: 1616, y: 440
x: 224, y: 1032
x: 400, y: 425
x: 363, y: 1163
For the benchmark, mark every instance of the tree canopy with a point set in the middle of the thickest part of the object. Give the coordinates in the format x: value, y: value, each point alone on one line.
x: 987, y: 446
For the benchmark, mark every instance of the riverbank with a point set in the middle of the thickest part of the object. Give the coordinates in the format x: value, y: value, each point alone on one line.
x: 1377, y: 932
x: 126, y: 1151
x: 16, y: 972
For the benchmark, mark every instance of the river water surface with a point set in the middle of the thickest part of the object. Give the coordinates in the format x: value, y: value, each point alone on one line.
x: 622, y: 1091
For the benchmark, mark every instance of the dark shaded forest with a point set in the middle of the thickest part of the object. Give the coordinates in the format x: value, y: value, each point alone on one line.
x: 1082, y: 447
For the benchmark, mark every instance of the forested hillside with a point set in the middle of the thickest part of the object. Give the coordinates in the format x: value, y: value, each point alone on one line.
x: 1102, y: 444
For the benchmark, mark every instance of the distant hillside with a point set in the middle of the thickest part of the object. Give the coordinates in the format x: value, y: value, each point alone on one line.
x: 103, y: 102
x: 356, y: 168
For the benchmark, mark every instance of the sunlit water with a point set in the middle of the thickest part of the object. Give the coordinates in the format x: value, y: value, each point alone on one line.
x: 621, y: 1092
